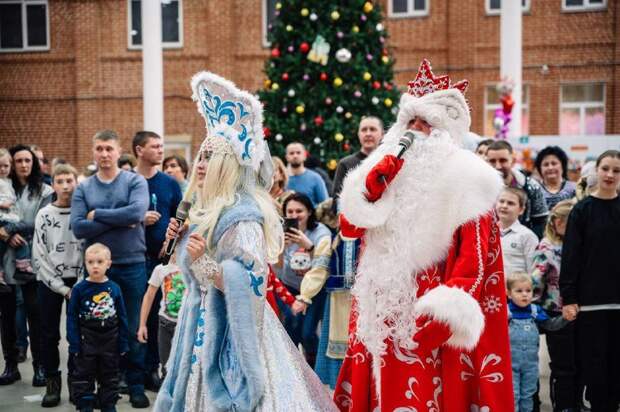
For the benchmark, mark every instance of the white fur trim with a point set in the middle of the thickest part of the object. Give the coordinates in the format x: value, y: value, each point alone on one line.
x: 458, y: 309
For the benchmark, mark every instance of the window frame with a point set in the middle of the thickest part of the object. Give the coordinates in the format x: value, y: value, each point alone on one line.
x: 525, y: 106
x: 586, y: 7
x: 410, y: 13
x: 582, y: 106
x: 525, y: 9
x: 264, y: 24
x: 25, y: 48
x: 164, y: 45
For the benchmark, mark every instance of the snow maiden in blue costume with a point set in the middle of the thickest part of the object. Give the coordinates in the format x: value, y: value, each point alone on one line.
x: 230, y: 352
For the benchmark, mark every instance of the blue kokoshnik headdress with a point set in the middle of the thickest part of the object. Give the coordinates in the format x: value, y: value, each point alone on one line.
x: 234, y: 121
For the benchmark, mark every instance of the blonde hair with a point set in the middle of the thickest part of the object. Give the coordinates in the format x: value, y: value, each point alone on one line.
x: 225, y: 178
x: 64, y: 169
x: 517, y: 277
x: 4, y: 152
x: 99, y: 248
x: 278, y: 165
x: 560, y: 211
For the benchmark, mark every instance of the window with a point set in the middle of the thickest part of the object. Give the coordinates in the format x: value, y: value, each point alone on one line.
x: 179, y: 144
x: 582, y: 109
x: 408, y: 8
x: 171, y: 24
x: 583, y: 5
x: 492, y: 103
x: 269, y: 15
x: 493, y: 7
x: 24, y: 25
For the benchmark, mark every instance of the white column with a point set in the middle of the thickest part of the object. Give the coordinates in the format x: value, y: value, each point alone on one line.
x: 152, y: 67
x: 511, y: 59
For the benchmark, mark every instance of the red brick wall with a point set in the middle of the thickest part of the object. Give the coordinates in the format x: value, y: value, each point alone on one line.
x: 90, y: 80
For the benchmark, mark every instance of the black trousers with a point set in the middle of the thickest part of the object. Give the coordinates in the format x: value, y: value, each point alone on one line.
x: 98, y: 360
x: 8, y: 333
x: 598, y: 340
x: 564, y: 384
x: 51, y: 302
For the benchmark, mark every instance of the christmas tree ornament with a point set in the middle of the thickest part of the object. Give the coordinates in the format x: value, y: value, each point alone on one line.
x: 340, y: 35
x: 379, y: 27
x: 279, y: 137
x: 267, y: 83
x: 317, y: 140
x: 269, y: 26
x: 375, y: 100
x: 291, y: 93
x: 387, y: 102
x: 289, y: 27
x: 339, y: 109
x: 302, y: 127
x: 367, y: 76
x: 278, y: 6
x: 357, y: 94
x: 276, y: 13
x: 368, y: 7
x: 285, y: 109
x: 318, y: 121
x: 306, y: 77
x: 300, y: 109
x: 338, y: 82
x: 266, y: 132
x: 323, y: 76
x: 385, y: 59
x: 275, y: 86
x: 335, y: 15
x: 363, y: 17
x: 304, y: 47
x: 346, y: 147
x: 328, y: 101
x: 290, y: 49
x: 381, y: 39
x: 320, y: 51
x: 343, y: 55
x: 285, y: 76
x: 332, y: 164
x: 304, y: 12
x: 355, y: 28
x: 376, y: 85
x: 339, y: 137
x: 348, y: 115
x: 313, y: 17
x: 369, y: 57
x: 275, y: 53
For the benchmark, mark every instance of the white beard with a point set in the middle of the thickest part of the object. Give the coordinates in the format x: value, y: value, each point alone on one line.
x: 439, y: 188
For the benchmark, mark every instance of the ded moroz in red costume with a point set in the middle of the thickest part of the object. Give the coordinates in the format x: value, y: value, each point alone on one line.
x: 429, y: 328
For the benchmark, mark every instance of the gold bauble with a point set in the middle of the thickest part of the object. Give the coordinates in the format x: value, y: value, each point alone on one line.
x: 275, y: 86
x: 335, y: 15
x: 388, y: 102
x: 305, y: 12
x: 300, y: 109
x: 338, y: 82
x: 339, y: 137
x: 368, y: 7
x: 367, y: 76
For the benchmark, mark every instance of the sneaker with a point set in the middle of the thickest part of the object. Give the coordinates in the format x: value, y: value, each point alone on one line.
x: 139, y: 400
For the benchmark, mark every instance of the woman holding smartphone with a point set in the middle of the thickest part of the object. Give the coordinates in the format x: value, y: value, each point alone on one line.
x: 303, y: 268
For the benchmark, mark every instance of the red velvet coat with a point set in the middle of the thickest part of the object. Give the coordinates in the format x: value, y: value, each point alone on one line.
x: 446, y: 379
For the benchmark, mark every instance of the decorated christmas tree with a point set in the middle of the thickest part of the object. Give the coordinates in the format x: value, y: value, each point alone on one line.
x: 329, y: 66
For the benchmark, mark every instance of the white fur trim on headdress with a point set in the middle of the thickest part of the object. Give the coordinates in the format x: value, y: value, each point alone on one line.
x: 233, y: 115
x: 459, y: 310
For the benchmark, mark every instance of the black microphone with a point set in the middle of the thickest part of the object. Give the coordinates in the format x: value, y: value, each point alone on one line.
x: 181, y: 216
x: 405, y: 142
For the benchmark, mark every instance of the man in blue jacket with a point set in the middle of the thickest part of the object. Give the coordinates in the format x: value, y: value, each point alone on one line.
x: 109, y: 208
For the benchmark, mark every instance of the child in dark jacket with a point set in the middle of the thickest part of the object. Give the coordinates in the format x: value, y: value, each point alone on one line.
x: 97, y: 332
x: 524, y: 319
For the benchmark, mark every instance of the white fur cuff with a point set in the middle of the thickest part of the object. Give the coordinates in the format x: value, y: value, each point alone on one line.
x: 456, y: 308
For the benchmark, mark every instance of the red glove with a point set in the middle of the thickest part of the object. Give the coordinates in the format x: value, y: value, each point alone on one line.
x: 431, y: 334
x: 381, y: 175
x: 349, y: 230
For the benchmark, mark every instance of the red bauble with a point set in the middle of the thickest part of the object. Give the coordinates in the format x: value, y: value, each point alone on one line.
x: 507, y: 103
x: 304, y: 47
x: 285, y: 76
x: 266, y: 132
x: 376, y: 85
x: 318, y: 121
x: 346, y: 147
x: 275, y: 52
x: 323, y: 76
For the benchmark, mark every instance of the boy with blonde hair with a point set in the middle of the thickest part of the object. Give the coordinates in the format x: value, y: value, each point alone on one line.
x: 97, y: 332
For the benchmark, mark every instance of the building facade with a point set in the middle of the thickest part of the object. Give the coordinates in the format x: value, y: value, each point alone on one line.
x: 69, y: 68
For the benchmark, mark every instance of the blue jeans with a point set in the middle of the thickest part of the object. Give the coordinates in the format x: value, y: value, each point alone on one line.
x: 132, y: 280
x: 303, y: 328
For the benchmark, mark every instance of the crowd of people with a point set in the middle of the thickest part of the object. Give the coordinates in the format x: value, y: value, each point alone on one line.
x: 96, y: 245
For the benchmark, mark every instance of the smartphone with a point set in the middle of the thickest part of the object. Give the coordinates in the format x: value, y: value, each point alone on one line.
x: 290, y: 223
